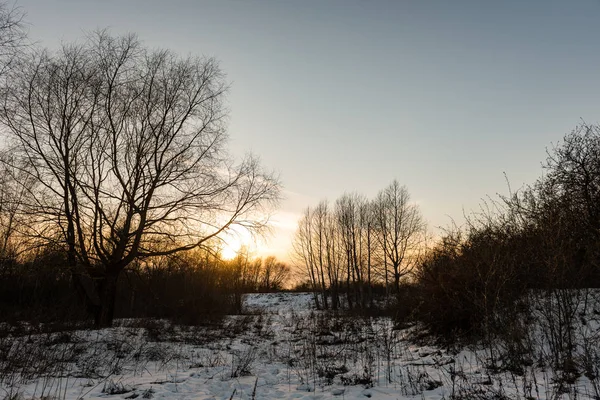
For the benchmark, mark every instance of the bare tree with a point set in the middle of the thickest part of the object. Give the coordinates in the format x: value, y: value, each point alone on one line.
x: 304, y: 252
x: 319, y: 222
x: 401, y: 229
x: 274, y: 274
x: 334, y: 256
x: 573, y: 177
x: 12, y: 42
x: 12, y: 35
x: 349, y: 211
x: 128, y: 148
x: 369, y: 222
x: 324, y: 247
x: 15, y: 186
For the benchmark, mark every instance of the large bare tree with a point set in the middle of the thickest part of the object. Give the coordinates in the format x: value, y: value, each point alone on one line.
x: 127, y: 146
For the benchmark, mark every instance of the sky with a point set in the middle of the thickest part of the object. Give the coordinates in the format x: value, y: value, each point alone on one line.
x: 447, y: 97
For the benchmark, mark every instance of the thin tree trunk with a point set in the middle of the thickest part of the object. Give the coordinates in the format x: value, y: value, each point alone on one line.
x: 348, y: 295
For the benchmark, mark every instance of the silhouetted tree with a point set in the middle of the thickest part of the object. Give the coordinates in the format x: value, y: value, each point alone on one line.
x: 127, y: 147
x: 15, y: 186
x: 347, y: 211
x: 354, y: 240
x: 305, y: 252
x: 401, y: 229
x: 274, y: 274
x: 12, y: 36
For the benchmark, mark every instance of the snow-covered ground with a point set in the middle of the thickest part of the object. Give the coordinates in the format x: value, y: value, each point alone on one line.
x: 278, y: 303
x: 280, y: 349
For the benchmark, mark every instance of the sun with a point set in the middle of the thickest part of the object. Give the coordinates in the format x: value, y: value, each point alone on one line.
x: 230, y: 249
x: 240, y: 238
x: 235, y: 240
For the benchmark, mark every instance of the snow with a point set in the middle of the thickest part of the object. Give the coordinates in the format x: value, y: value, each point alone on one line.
x: 282, y: 348
x: 278, y: 303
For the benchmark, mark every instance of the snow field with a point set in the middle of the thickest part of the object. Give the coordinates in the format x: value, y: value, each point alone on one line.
x: 281, y: 349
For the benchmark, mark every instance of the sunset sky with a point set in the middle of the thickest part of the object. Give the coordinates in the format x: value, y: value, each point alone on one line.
x: 342, y: 96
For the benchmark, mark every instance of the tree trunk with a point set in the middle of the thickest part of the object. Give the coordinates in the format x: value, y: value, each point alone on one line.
x: 348, y: 294
x: 107, y: 290
x: 86, y: 292
x: 335, y: 296
x: 397, y: 278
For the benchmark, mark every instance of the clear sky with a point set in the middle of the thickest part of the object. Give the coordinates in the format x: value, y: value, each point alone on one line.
x: 340, y: 96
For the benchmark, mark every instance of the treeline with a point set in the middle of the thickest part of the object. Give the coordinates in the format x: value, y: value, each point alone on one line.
x: 356, y: 246
x: 542, y: 238
x: 189, y: 287
x: 485, y: 279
